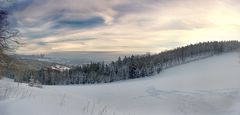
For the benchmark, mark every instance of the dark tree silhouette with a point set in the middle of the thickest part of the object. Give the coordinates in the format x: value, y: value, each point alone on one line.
x: 8, y: 41
x: 8, y: 35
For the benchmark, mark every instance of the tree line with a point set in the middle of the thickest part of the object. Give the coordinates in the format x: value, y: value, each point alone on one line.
x: 131, y: 67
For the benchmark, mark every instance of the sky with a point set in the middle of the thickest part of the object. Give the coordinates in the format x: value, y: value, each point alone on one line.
x: 121, y: 25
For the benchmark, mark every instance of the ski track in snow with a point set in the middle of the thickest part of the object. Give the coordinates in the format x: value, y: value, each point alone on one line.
x: 206, y: 87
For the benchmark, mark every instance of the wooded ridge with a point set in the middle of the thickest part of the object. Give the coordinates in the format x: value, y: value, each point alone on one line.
x: 135, y: 66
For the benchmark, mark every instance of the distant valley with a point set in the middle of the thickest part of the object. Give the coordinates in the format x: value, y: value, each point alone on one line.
x: 77, y: 57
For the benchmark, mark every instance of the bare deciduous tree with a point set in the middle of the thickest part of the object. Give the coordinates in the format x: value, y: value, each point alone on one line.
x: 8, y: 36
x: 8, y: 39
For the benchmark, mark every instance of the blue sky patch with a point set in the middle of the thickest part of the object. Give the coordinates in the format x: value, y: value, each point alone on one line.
x: 88, y: 23
x: 41, y: 43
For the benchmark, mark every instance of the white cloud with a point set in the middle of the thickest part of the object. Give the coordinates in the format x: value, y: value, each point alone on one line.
x: 136, y: 25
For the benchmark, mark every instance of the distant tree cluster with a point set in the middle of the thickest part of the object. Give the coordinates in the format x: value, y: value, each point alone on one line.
x: 135, y: 66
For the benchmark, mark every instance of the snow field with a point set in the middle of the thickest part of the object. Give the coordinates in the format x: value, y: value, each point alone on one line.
x: 206, y: 87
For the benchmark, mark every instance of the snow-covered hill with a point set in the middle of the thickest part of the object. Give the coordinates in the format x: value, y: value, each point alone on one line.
x: 206, y: 87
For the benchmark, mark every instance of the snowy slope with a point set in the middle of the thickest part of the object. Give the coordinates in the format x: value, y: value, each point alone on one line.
x: 206, y: 87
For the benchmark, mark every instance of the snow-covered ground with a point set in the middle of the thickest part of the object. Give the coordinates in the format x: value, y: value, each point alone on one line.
x: 206, y: 87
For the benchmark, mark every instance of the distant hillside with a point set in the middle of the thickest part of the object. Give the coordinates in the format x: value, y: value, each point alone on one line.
x: 86, y: 57
x: 135, y: 66
x: 76, y: 57
x: 41, y: 58
x: 25, y: 66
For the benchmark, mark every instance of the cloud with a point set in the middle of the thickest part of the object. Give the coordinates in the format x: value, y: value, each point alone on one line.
x: 185, y: 25
x: 122, y: 25
x: 18, y: 5
x: 74, y: 40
